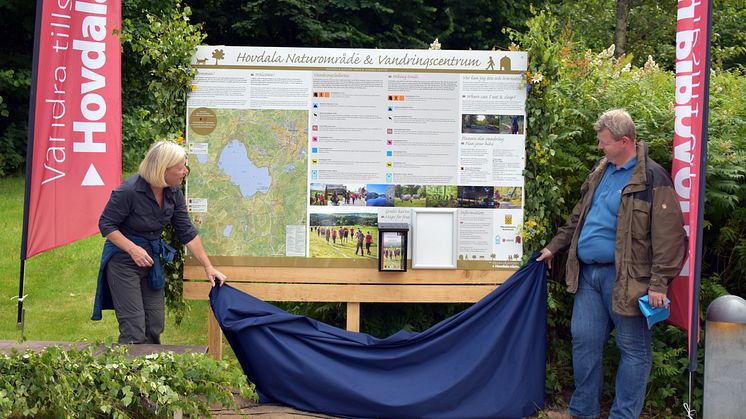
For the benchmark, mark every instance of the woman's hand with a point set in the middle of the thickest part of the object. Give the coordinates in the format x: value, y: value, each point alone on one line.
x: 195, y: 246
x: 214, y: 275
x: 140, y: 256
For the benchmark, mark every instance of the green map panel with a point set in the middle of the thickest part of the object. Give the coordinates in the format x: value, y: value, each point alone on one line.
x: 254, y: 177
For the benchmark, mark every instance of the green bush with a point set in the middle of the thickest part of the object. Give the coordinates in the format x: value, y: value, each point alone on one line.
x: 160, y: 41
x: 14, y: 86
x: 83, y: 383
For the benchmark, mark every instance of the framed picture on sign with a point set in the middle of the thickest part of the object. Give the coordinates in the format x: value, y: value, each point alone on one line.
x: 392, y: 247
x: 434, y: 238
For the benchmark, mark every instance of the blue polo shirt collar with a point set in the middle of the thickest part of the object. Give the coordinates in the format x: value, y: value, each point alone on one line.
x: 630, y: 164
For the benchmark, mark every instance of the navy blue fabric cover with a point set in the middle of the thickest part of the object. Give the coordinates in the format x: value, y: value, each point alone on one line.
x: 486, y: 362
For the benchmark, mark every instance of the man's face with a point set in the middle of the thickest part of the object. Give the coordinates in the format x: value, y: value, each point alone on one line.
x: 614, y: 150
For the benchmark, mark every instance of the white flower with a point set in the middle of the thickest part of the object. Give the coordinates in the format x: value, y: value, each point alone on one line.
x: 650, y: 64
x: 607, y: 53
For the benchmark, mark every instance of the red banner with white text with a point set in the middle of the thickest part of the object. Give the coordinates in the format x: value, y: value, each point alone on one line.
x: 75, y: 150
x: 689, y: 144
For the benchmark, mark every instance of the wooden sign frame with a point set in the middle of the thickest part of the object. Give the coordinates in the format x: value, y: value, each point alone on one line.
x: 347, y: 285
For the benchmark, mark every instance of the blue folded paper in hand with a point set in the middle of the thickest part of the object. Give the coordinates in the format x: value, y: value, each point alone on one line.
x: 653, y: 314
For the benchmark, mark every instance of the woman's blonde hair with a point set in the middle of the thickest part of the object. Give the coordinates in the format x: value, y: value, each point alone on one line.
x: 161, y: 156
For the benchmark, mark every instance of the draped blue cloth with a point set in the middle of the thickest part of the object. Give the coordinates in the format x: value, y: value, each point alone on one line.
x: 486, y: 362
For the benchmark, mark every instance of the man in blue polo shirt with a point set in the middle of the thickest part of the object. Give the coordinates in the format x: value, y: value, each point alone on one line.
x: 625, y: 239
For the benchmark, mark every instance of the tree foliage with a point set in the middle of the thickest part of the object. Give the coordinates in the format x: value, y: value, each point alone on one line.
x: 17, y: 36
x: 651, y: 29
x: 158, y: 41
x: 359, y: 23
x: 591, y: 24
x: 152, y: 86
x: 729, y: 34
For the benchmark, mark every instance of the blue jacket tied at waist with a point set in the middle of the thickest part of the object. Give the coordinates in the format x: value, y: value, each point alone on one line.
x: 156, y: 278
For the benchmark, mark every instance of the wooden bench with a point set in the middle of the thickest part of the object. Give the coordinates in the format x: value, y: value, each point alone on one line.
x: 346, y: 285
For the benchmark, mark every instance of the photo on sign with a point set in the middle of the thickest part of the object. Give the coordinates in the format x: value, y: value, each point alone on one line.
x: 380, y: 195
x: 409, y: 196
x: 476, y: 197
x: 441, y: 196
x: 343, y: 235
x: 337, y: 195
x: 508, y: 197
x: 492, y: 124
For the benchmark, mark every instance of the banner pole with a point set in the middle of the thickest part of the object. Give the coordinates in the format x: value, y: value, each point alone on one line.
x: 19, y: 323
x: 694, y: 325
x: 690, y: 414
x: 29, y: 160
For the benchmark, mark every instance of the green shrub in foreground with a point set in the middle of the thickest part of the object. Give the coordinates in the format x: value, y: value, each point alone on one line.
x: 74, y: 383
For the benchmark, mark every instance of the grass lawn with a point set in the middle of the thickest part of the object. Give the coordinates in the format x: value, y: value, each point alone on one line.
x: 61, y: 284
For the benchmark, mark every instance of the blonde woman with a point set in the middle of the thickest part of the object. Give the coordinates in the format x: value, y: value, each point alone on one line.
x: 131, y: 279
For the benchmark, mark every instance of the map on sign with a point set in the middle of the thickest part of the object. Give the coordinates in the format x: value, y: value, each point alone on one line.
x: 248, y: 178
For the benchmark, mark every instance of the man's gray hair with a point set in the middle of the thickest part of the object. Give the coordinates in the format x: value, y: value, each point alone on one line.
x: 618, y: 122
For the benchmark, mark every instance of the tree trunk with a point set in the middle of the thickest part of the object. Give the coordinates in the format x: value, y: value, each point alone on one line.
x: 622, y: 21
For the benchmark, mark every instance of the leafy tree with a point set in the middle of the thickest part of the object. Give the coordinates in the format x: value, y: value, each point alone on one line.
x: 158, y: 42
x: 651, y: 29
x: 622, y: 21
x: 729, y: 34
x: 17, y: 35
x: 597, y: 24
x: 359, y: 23
x: 725, y: 214
x: 479, y: 24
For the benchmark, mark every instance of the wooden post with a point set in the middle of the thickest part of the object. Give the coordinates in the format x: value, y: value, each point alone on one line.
x: 353, y: 317
x: 214, y: 336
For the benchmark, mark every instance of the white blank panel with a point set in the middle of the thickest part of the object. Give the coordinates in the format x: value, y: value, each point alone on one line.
x: 434, y: 238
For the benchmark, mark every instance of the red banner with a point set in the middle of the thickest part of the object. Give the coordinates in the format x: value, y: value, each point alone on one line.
x: 689, y: 144
x: 75, y: 153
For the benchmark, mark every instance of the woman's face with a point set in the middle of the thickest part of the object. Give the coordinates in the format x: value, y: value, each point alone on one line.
x: 175, y: 174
